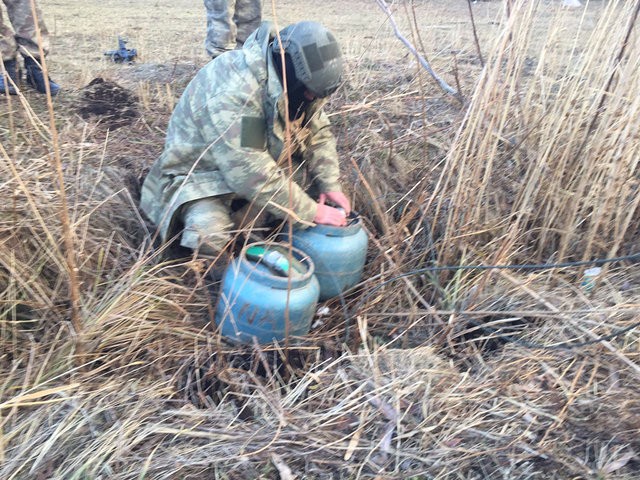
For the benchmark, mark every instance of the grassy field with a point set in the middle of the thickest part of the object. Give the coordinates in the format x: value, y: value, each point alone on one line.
x: 110, y: 365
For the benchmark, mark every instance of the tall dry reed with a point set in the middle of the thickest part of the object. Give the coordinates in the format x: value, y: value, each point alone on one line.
x: 545, y: 164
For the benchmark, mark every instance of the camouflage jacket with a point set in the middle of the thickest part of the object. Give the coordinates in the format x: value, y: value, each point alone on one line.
x: 227, y: 135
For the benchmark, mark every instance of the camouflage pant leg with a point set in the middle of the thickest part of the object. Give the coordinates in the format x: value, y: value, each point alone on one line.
x: 207, y: 224
x: 247, y: 18
x: 8, y: 46
x: 229, y: 23
x: 24, y: 34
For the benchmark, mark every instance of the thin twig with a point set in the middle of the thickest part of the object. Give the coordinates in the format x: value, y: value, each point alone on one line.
x: 423, y: 61
x: 475, y: 34
x: 67, y: 232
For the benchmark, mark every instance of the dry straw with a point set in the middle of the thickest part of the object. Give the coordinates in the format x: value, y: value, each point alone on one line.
x: 542, y: 165
x: 546, y: 159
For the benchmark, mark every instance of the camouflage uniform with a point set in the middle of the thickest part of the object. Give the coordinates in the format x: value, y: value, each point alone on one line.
x: 229, y: 23
x: 226, y: 139
x: 23, y: 35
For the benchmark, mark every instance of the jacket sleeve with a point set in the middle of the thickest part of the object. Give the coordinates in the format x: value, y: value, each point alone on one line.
x: 237, y: 130
x: 321, y: 155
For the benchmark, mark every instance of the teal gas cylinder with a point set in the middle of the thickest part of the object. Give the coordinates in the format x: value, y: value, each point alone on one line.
x: 253, y: 298
x: 339, y: 254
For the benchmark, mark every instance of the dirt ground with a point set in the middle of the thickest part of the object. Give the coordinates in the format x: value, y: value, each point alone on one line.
x: 169, y: 38
x: 169, y: 33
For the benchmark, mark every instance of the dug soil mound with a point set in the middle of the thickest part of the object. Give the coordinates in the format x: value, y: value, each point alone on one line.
x: 108, y: 102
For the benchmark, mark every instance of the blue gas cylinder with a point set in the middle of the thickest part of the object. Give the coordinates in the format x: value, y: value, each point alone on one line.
x: 268, y: 294
x: 339, y: 254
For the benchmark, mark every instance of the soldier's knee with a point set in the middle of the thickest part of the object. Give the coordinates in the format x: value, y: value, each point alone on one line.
x: 207, y: 225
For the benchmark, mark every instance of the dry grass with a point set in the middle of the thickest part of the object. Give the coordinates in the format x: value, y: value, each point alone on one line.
x: 570, y: 128
x: 423, y: 376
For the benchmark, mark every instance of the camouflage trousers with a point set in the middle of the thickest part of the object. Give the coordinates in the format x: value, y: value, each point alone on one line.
x: 22, y: 37
x: 211, y: 223
x: 207, y: 224
x: 229, y: 23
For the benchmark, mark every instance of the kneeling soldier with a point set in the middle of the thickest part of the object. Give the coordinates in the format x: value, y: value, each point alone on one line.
x: 226, y: 140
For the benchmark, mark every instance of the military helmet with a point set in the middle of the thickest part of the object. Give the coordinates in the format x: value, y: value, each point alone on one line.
x: 315, y: 55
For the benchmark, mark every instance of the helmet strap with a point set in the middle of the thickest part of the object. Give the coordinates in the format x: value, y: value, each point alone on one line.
x: 295, y: 88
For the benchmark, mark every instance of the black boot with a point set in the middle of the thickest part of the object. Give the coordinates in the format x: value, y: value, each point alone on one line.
x: 36, y: 78
x: 10, y: 67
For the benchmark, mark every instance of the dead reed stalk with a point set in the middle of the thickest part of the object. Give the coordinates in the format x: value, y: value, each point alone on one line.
x: 517, y: 177
x: 67, y: 230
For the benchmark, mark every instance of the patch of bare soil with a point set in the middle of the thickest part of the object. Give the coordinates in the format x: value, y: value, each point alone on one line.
x: 112, y: 104
x: 155, y: 73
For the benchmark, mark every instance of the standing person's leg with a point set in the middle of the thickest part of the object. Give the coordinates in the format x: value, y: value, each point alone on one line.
x: 26, y: 36
x: 221, y: 28
x: 8, y: 46
x: 247, y: 18
x: 24, y: 26
x: 8, y: 49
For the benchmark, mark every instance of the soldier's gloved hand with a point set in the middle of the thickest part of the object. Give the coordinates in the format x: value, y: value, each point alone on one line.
x: 339, y: 198
x: 327, y: 215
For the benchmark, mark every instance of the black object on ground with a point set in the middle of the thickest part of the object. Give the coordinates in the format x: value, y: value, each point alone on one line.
x: 122, y: 54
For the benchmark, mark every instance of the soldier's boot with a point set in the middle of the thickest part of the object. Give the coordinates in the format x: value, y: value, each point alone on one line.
x: 11, y: 72
x: 36, y: 78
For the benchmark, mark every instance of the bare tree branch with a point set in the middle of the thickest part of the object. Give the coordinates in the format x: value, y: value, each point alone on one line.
x: 423, y: 61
